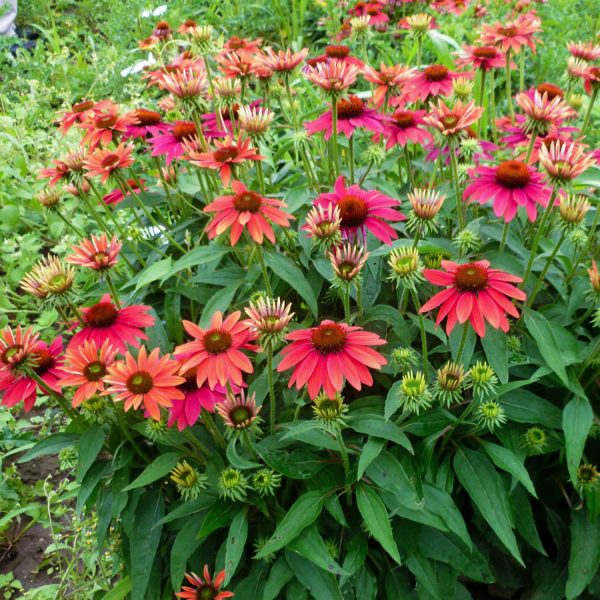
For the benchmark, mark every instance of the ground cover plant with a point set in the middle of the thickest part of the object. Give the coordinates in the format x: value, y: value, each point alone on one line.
x: 305, y: 297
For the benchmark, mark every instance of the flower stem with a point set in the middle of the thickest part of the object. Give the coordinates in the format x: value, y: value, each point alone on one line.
x: 351, y: 158
x: 493, y: 107
x: 263, y: 267
x: 588, y: 114
x: 408, y: 166
x: 463, y: 341
x: 481, y: 97
x: 522, y: 70
x: 334, y: 144
x: 261, y: 177
x: 68, y: 223
x: 346, y: 463
x: 74, y: 310
x: 419, y: 50
x: 112, y: 288
x: 122, y: 423
x: 538, y: 285
x: 423, y: 334
x: 359, y: 306
x: 511, y: 109
x: 530, y: 147
x: 211, y: 426
x: 347, y: 303
x: 271, y: 387
x: 504, y: 236
x: 459, y: 203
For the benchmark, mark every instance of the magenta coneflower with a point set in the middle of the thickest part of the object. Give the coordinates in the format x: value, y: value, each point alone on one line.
x: 169, y: 143
x: 390, y: 81
x: 351, y: 113
x: 325, y: 355
x: 96, y: 253
x: 564, y: 161
x: 341, y: 52
x: 81, y: 112
x: 332, y: 77
x: 473, y: 293
x: 435, y: 80
x: 120, y: 326
x: 450, y: 121
x: 248, y: 210
x: 103, y: 162
x: 481, y: 57
x: 509, y: 185
x: 362, y: 211
x: 216, y: 351
x: 146, y: 122
x: 186, y: 411
x: 403, y: 127
x: 85, y: 367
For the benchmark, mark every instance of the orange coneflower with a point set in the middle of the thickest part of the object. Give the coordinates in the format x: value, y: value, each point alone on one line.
x: 103, y: 162
x: 96, y: 253
x: 204, y: 588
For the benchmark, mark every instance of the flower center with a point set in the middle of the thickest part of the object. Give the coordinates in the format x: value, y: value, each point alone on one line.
x: 449, y: 121
x: 229, y: 112
x: 103, y: 314
x: 350, y: 108
x: 184, y: 130
x: 206, y: 593
x: 100, y: 258
x: 9, y: 353
x: 329, y: 338
x: 225, y: 154
x: 162, y: 25
x: 337, y: 51
x: 247, y: 202
x: 485, y: 52
x: 240, y: 414
x: 147, y: 117
x: 190, y: 384
x: 508, y: 31
x: 110, y: 161
x: 513, y: 174
x: 436, y: 73
x: 470, y: 277
x: 106, y: 121
x: 353, y: 211
x: 94, y: 371
x: 552, y: 91
x: 235, y: 42
x: 216, y: 341
x: 190, y: 23
x: 140, y: 383
x: 404, y: 119
x: 372, y: 10
x: 82, y: 106
x: 44, y: 361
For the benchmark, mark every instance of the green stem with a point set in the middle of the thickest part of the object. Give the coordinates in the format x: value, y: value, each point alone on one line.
x: 423, y: 334
x: 261, y: 178
x: 74, y: 310
x: 369, y: 167
x: 530, y: 147
x: 408, y: 166
x: 419, y: 50
x: 459, y: 203
x: 463, y: 341
x: 263, y: 268
x: 68, y: 223
x: 112, y: 288
x: 347, y: 303
x: 334, y: 144
x: 351, y: 158
x: 359, y: 306
x: 511, y: 109
x: 271, y: 388
x: 346, y: 463
x: 504, y: 236
x: 436, y: 167
x: 481, y: 97
x: 122, y: 423
x: 552, y: 256
x: 588, y: 114
x: 211, y: 426
x: 62, y: 402
x: 522, y: 70
x: 493, y: 106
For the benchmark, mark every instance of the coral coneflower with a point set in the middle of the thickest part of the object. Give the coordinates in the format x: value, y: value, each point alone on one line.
x: 481, y: 57
x: 542, y: 111
x: 389, y: 80
x: 362, y: 211
x: 269, y: 318
x: 85, y: 367
x: 103, y: 162
x: 236, y: 43
x: 239, y: 412
x: 217, y: 350
x: 56, y: 173
x: 96, y: 253
x: 451, y: 121
x: 106, y: 125
x: 228, y: 153
x: 147, y: 379
x: 333, y: 77
x: 47, y: 277
x: 282, y: 62
x: 81, y: 112
x: 586, y: 51
x: 432, y: 81
x: 204, y: 587
x: 170, y: 143
x: 237, y: 64
x: 246, y: 210
x: 475, y: 293
x: 509, y: 185
x: 512, y: 35
x: 185, y: 83
x: 120, y: 326
x: 403, y: 127
x: 352, y: 112
x: 564, y: 161
x: 117, y: 195
x: 347, y: 261
x: 325, y: 355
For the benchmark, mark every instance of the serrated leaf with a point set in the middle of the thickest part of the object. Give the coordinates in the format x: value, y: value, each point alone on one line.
x: 577, y: 419
x: 159, y: 468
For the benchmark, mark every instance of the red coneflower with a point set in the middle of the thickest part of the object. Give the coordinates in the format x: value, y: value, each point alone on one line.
x: 120, y: 326
x: 147, y: 380
x: 240, y: 64
x: 481, y: 57
x: 333, y: 76
x: 509, y: 185
x: 362, y: 210
x: 389, y: 80
x: 473, y: 293
x: 217, y: 350
x: 204, y: 588
x: 103, y: 162
x: 56, y: 173
x: 228, y: 152
x: 435, y: 80
x: 96, y: 253
x: 246, y: 209
x: 450, y: 121
x: 106, y: 125
x: 325, y: 355
x: 84, y: 368
x: 170, y: 142
x: 352, y: 112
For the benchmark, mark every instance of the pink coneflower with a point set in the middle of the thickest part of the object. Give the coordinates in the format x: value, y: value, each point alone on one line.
x: 576, y: 68
x: 512, y: 35
x: 237, y: 64
x: 362, y: 211
x: 103, y: 162
x: 81, y: 112
x: 246, y: 209
x: 481, y: 57
x: 170, y: 143
x: 564, y: 161
x: 106, y: 126
x: 435, y: 80
x: 390, y: 81
x: 96, y: 253
x: 185, y: 83
x: 323, y: 224
x: 117, y: 194
x: 333, y: 77
x: 341, y: 52
x: 586, y: 51
x: 186, y: 411
x: 120, y: 326
x: 228, y: 153
x: 347, y: 261
x: 269, y: 318
x: 591, y: 79
x: 146, y: 122
x: 509, y: 185
x: 452, y: 121
x: 351, y: 113
x: 239, y: 411
x: 377, y: 18
x: 204, y: 588
x: 84, y: 368
x: 473, y: 293
x: 282, y: 62
x: 27, y: 352
x: 323, y: 356
x: 147, y: 380
x: 542, y: 112
x: 217, y: 350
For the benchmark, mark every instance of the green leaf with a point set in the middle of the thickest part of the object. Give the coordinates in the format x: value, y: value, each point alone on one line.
x: 496, y: 351
x: 356, y: 555
x: 377, y: 426
x: 279, y: 576
x: 184, y: 545
x: 486, y: 489
x: 144, y: 541
x: 220, y: 515
x: 90, y: 444
x: 524, y: 521
x: 120, y: 591
x: 584, y: 558
x: 198, y: 256
x: 310, y: 545
x: 156, y: 271
x: 507, y: 461
x: 299, y: 464
x: 286, y: 269
x: 369, y: 453
x: 53, y: 444
x: 577, y: 419
x: 376, y: 517
x: 236, y: 540
x: 172, y: 306
x: 188, y: 508
x: 522, y: 406
x: 219, y: 301
x: 159, y: 468
x: 320, y: 584
x: 237, y: 461
x: 302, y: 513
